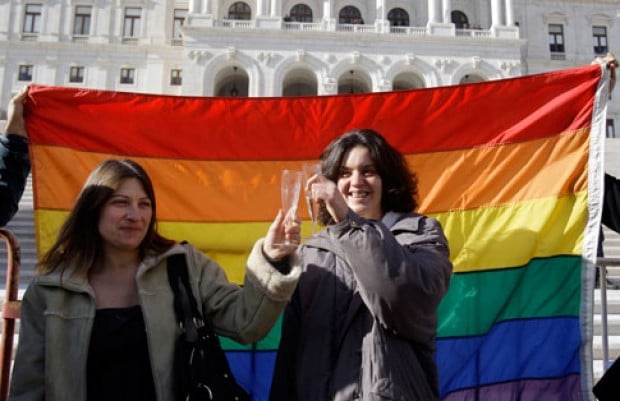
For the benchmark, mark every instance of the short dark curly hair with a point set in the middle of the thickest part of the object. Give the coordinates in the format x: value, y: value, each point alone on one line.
x: 400, y: 184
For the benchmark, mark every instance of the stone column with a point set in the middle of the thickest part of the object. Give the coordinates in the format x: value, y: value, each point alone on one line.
x: 275, y: 8
x: 447, y: 11
x: 496, y: 13
x: 381, y: 12
x: 200, y: 13
x: 510, y: 13
x: 194, y: 6
x: 439, y: 19
x: 382, y: 25
x: 328, y: 23
x: 433, y: 16
x: 260, y: 8
x: 327, y: 9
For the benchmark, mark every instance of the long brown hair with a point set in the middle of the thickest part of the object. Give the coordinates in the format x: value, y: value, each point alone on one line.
x: 79, y: 241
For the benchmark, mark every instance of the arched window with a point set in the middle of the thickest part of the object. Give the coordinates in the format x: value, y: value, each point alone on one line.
x: 300, y: 82
x: 398, y: 17
x: 471, y: 78
x: 354, y: 82
x: 301, y: 13
x: 407, y: 80
x: 234, y: 83
x: 239, y: 11
x: 459, y: 19
x: 350, y: 15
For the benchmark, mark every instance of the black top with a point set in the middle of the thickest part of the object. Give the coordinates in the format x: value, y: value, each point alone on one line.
x: 119, y: 368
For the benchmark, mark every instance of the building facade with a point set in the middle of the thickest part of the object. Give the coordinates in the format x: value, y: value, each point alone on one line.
x: 295, y: 47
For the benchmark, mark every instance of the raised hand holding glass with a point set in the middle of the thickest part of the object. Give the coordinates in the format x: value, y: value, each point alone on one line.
x: 311, y: 169
x: 290, y: 187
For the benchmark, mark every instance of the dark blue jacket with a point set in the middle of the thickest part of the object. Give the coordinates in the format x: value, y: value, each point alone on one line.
x: 14, y: 170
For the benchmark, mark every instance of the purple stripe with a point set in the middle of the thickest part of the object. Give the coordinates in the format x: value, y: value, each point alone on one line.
x: 562, y: 389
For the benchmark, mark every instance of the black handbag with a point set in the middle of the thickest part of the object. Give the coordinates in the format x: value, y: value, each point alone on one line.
x: 201, y: 370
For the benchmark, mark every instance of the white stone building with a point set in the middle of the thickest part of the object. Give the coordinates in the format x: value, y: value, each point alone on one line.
x: 295, y: 47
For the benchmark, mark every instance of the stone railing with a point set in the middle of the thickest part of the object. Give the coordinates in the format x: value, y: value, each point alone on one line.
x: 302, y: 26
x: 201, y: 21
x: 408, y: 30
x: 473, y: 33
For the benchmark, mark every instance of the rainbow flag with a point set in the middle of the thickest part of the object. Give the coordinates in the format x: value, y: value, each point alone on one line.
x: 512, y: 168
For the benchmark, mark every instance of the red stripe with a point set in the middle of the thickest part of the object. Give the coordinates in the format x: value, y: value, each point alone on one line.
x: 445, y: 118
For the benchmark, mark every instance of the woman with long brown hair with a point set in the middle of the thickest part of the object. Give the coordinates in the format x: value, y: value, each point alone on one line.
x: 98, y: 321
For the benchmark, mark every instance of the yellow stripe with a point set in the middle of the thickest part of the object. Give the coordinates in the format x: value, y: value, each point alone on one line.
x: 228, y: 243
x: 512, y: 235
x: 481, y: 239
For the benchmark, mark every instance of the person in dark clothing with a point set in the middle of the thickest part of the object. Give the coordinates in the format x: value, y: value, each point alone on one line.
x: 611, y: 196
x: 14, y: 159
x: 611, y: 203
x: 610, y: 219
x: 607, y: 388
x: 611, y: 190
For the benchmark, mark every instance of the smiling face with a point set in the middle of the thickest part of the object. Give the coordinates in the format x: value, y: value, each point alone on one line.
x: 125, y: 217
x: 360, y: 183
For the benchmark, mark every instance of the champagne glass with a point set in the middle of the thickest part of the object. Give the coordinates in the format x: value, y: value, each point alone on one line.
x: 311, y: 169
x: 290, y: 187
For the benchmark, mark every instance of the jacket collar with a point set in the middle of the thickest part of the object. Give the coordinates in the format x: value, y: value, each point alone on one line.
x: 72, y: 280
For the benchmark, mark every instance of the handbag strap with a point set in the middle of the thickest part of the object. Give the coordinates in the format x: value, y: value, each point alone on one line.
x: 185, y: 307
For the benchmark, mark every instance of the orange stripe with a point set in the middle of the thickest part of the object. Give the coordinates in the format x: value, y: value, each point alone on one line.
x: 497, y: 175
x: 246, y: 191
x: 186, y: 190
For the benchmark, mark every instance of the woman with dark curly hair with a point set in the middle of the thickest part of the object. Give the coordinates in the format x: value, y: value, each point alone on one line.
x: 362, y: 322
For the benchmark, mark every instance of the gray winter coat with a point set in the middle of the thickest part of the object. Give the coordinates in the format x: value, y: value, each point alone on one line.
x: 362, y: 322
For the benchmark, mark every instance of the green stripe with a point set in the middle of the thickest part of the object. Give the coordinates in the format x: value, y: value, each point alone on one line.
x: 269, y: 343
x: 542, y: 288
x: 477, y: 300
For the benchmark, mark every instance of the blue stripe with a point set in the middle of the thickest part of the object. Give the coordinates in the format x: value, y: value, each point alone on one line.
x: 253, y: 371
x: 511, y: 350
